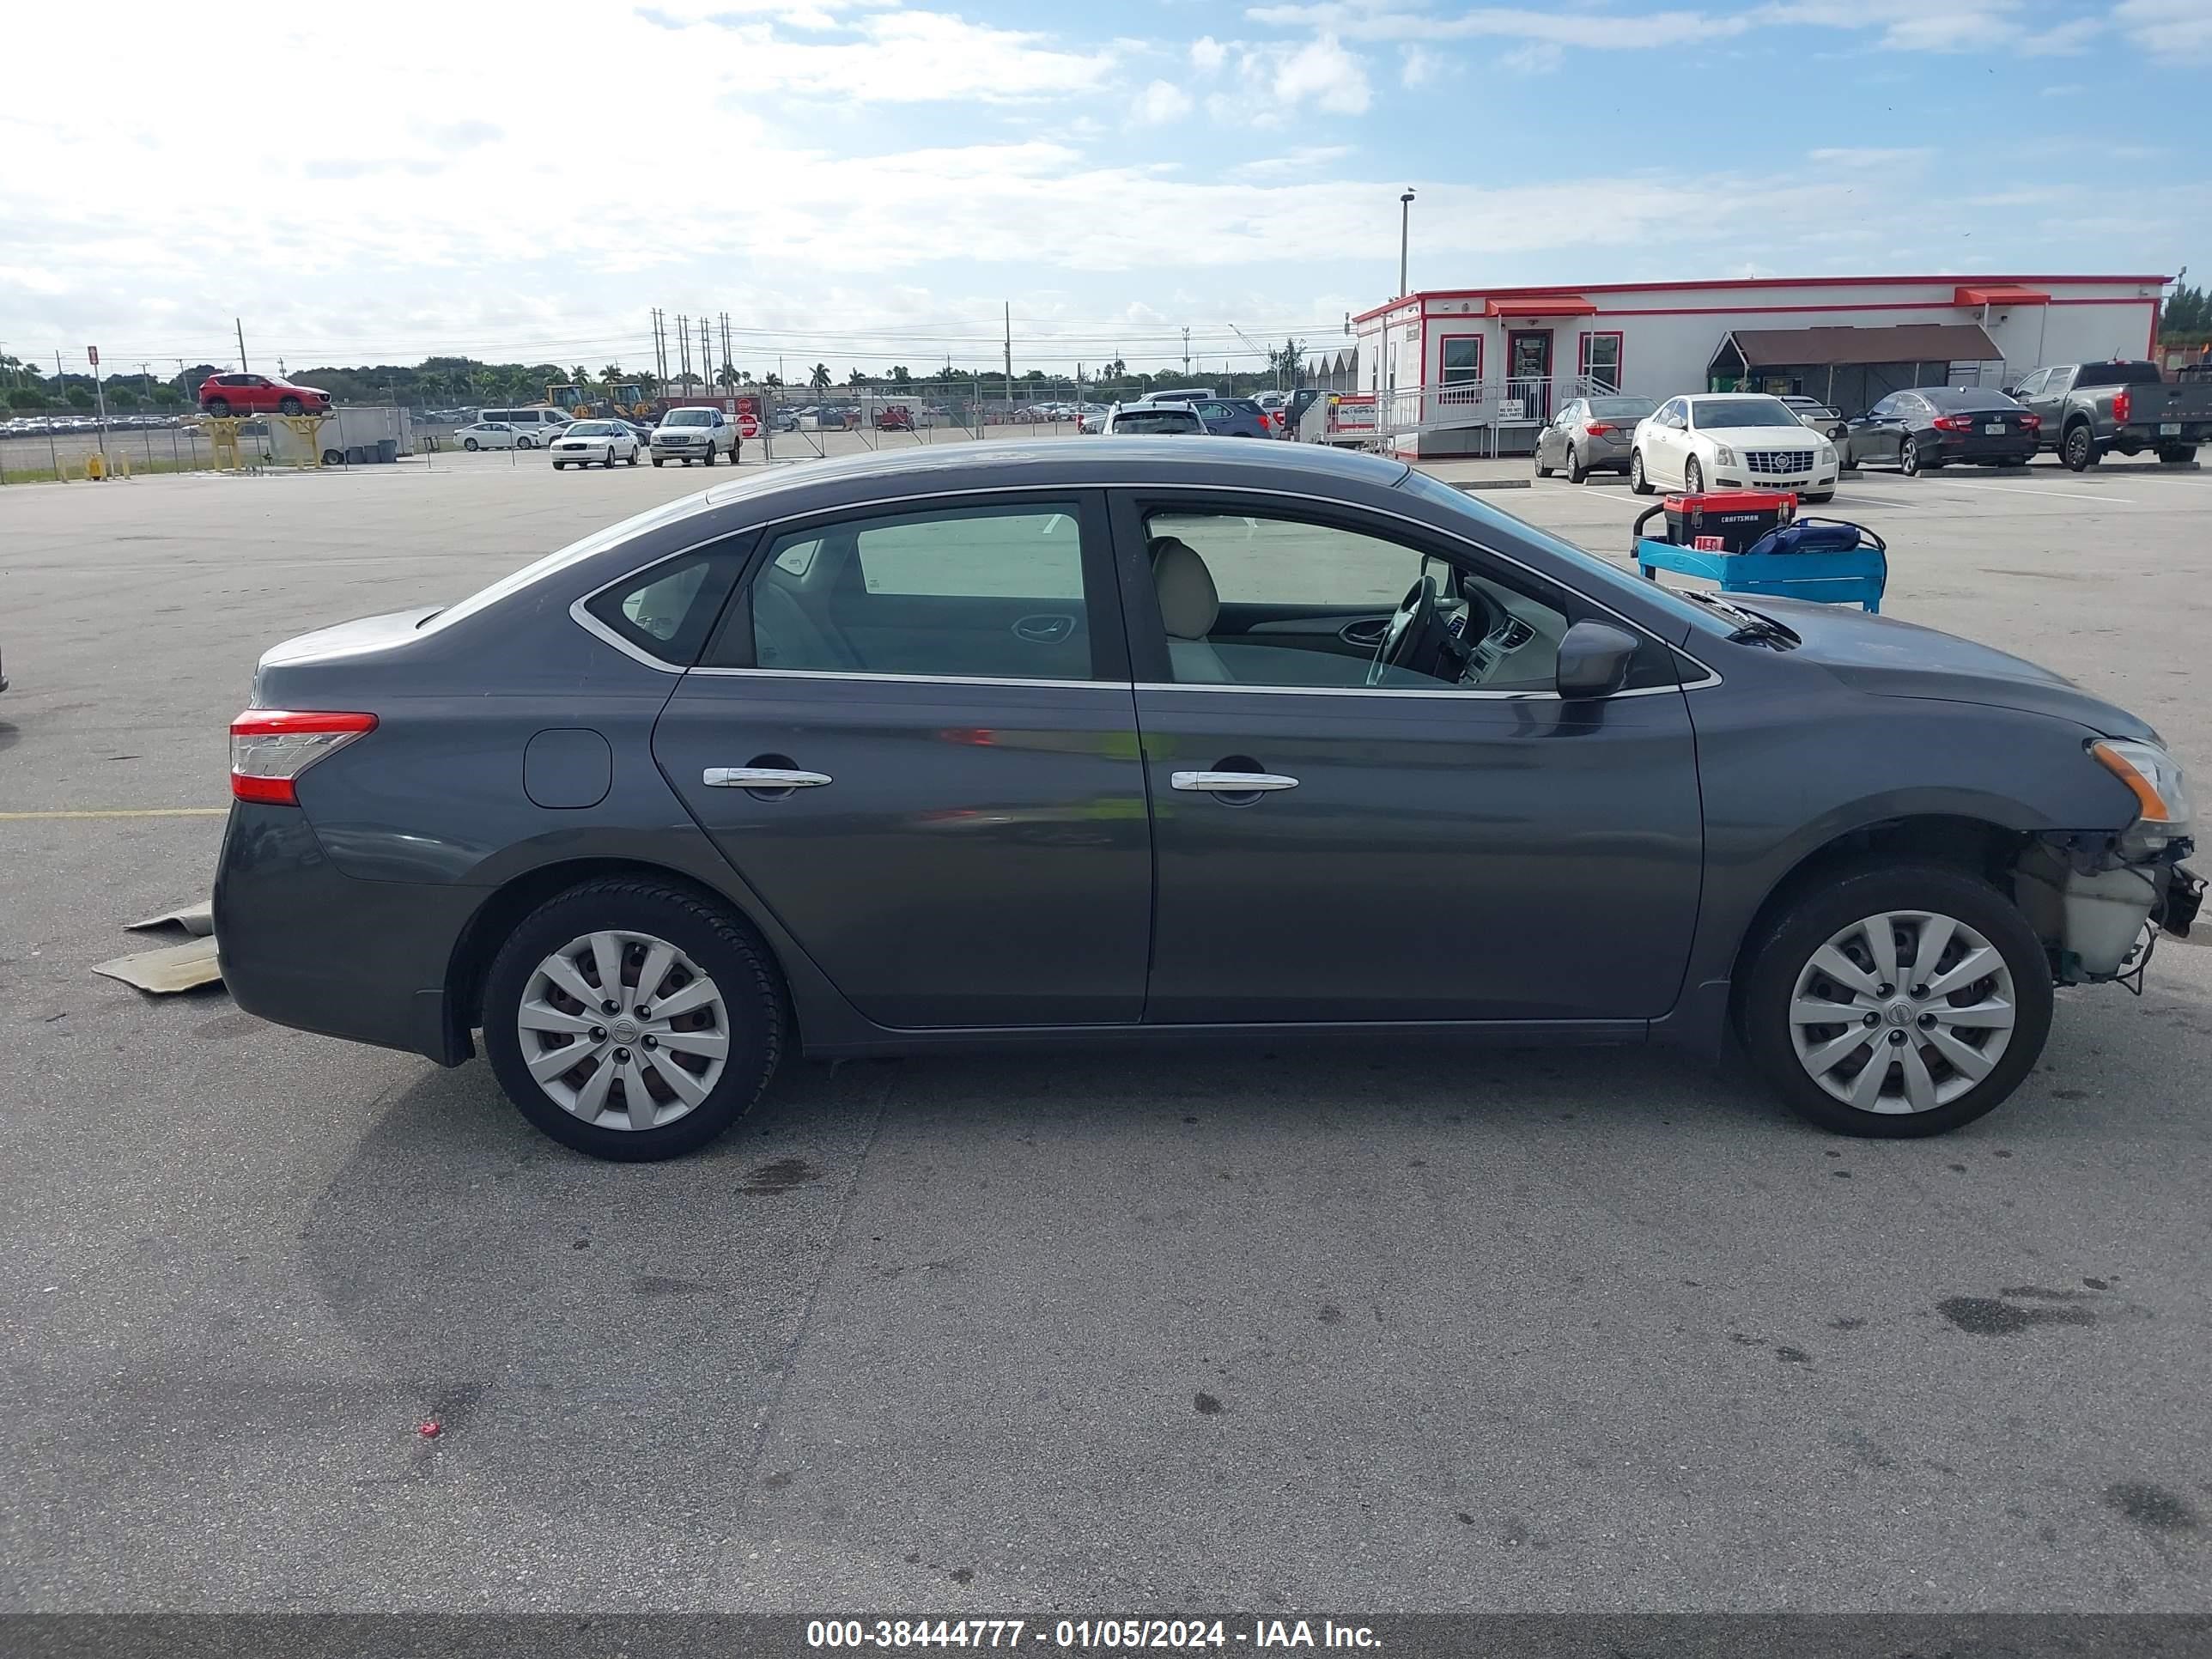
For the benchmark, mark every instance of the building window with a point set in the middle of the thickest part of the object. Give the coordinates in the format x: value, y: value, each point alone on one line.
x: 1462, y: 368
x: 1600, y: 367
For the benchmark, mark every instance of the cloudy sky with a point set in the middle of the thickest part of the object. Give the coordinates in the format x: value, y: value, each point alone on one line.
x: 866, y: 182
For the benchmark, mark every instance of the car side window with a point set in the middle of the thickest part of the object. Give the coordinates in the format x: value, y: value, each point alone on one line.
x: 1884, y: 409
x: 1675, y: 413
x: 993, y: 592
x: 667, y: 609
x: 1267, y: 601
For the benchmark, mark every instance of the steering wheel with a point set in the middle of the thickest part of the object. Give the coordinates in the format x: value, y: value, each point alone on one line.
x: 1414, y: 620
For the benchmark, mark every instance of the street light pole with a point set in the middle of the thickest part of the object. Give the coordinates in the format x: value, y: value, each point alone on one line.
x: 1404, y: 221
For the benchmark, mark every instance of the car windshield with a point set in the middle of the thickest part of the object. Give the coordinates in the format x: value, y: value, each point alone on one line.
x: 1706, y: 412
x: 1622, y: 409
x: 1967, y: 398
x: 1596, y: 577
x: 690, y: 417
x: 1156, y: 419
x: 593, y: 430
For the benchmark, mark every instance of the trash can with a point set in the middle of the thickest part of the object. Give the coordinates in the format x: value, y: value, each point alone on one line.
x: 358, y: 454
x: 388, y: 450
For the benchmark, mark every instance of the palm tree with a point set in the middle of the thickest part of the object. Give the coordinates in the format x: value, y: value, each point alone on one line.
x: 819, y: 379
x: 900, y: 377
x: 611, y: 373
x: 725, y: 377
x: 856, y: 379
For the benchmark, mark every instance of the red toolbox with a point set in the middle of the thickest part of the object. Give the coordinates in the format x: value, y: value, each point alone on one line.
x: 1726, y: 520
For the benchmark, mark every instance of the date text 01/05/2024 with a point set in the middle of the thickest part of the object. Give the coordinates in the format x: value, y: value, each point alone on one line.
x: 1085, y: 1635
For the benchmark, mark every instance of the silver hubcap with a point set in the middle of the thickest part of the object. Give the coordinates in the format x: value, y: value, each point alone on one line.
x: 1903, y: 1011
x: 623, y: 1030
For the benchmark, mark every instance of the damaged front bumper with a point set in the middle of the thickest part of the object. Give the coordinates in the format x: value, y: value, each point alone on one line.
x: 2099, y: 911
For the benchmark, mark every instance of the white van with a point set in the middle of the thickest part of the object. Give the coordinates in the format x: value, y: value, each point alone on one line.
x: 534, y: 427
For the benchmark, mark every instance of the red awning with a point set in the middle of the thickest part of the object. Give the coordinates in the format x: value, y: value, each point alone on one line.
x: 1558, y: 305
x: 1999, y: 294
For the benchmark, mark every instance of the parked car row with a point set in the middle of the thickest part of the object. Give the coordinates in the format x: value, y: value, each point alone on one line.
x: 64, y: 426
x: 1193, y: 409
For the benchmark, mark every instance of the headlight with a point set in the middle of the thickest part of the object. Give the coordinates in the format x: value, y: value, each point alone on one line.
x: 1827, y: 450
x: 1724, y: 455
x: 2160, y: 792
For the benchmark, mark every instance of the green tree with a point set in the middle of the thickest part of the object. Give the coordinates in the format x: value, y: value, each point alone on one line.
x: 856, y: 379
x: 25, y: 396
x: 80, y: 396
x: 167, y: 396
x: 900, y: 377
x: 612, y: 374
x: 2186, y: 314
x: 819, y: 379
x: 122, y: 397
x: 773, y: 382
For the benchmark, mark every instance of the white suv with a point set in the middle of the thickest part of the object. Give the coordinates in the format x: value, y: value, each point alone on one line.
x: 693, y: 435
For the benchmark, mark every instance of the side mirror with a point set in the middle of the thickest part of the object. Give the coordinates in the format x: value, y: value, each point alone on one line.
x: 1594, y: 659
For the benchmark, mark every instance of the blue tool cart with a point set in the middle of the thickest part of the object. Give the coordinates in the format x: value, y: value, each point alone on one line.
x: 1827, y: 560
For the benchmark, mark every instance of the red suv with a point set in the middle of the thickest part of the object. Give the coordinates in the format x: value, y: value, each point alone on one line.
x: 257, y: 394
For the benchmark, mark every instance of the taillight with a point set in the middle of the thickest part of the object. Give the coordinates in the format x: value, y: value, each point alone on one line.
x: 270, y: 747
x: 1595, y: 428
x: 2122, y: 404
x: 2031, y: 423
x: 1952, y: 423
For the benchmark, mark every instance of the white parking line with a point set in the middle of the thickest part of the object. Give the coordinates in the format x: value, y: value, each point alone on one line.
x: 2023, y: 489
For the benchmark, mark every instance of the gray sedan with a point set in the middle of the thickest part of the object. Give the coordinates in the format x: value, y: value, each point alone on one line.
x: 1590, y: 434
x: 1125, y: 742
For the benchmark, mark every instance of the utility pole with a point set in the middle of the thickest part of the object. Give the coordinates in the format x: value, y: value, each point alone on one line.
x: 1009, y: 305
x: 706, y: 350
x: 1185, y: 351
x: 725, y: 341
x: 240, y: 323
x: 1404, y: 221
x: 683, y: 353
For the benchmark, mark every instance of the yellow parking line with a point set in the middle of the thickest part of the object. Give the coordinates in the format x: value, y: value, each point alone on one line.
x: 120, y: 812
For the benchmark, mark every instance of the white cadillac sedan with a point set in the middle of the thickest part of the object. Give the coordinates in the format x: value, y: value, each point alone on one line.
x: 585, y: 442
x: 1730, y: 440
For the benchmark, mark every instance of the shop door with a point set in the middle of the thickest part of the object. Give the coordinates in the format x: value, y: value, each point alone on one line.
x: 1528, y: 371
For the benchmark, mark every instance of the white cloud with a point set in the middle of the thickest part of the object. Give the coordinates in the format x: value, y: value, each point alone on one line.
x: 1161, y: 102
x: 911, y: 57
x: 1304, y: 160
x: 1208, y: 55
x: 2175, y: 28
x: 1321, y: 71
x: 1536, y: 58
x: 1417, y: 66
x: 1564, y: 28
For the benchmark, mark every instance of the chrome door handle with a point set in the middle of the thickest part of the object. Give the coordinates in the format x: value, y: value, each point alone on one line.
x: 1232, y: 783
x: 761, y: 777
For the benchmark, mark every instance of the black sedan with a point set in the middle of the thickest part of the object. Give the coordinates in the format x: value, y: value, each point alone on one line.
x: 1119, y: 742
x: 1932, y: 426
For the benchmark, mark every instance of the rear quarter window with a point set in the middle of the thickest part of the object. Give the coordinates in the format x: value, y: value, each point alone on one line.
x: 667, y: 609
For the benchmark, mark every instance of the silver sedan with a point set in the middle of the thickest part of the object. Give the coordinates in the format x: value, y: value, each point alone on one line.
x: 1590, y: 434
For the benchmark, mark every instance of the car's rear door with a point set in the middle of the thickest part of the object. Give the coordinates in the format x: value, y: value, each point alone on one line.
x: 1422, y: 848
x: 913, y: 736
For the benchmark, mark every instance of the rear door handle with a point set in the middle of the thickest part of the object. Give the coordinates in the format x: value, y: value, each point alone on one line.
x: 1232, y: 783
x: 761, y: 777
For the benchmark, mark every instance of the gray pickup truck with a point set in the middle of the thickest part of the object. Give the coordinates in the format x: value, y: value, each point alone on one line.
x: 2087, y: 409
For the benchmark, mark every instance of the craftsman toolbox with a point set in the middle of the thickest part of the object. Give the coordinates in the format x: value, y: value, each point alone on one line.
x: 1726, y: 520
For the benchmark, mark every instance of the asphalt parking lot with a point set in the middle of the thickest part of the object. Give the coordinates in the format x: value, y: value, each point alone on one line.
x: 1392, y: 1328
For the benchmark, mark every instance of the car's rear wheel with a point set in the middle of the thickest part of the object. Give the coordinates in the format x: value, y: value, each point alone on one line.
x: 2078, y: 450
x: 1537, y: 454
x: 632, y: 1020
x: 1638, y: 483
x: 1576, y: 472
x: 1897, y: 1002
x: 2177, y: 454
x: 1908, y: 458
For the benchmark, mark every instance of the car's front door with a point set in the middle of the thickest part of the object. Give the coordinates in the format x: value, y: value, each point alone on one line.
x: 1666, y: 444
x: 1555, y: 444
x: 914, y: 737
x: 1875, y: 435
x: 2049, y: 401
x: 1451, y: 842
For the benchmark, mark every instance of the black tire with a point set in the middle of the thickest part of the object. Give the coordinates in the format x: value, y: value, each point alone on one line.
x: 2078, y: 448
x: 1908, y: 458
x: 2177, y: 454
x: 525, y: 443
x: 1536, y: 455
x: 557, y: 465
x: 631, y: 460
x: 470, y: 443
x: 1820, y: 499
x: 726, y: 951
x: 1826, y: 907
x: 1576, y: 472
x: 334, y: 458
x: 289, y: 406
x: 656, y: 460
x: 1693, y: 476
x: 218, y: 407
x: 708, y: 458
x: 1638, y: 483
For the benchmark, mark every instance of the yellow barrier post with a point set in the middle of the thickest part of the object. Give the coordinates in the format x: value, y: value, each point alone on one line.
x: 222, y: 441
x: 309, y: 429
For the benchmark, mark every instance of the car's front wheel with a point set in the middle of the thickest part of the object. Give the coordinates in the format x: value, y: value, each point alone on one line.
x: 289, y: 406
x: 1693, y: 476
x: 632, y: 1020
x: 470, y: 443
x: 218, y: 407
x: 1638, y: 483
x: 1897, y: 1002
x: 525, y: 443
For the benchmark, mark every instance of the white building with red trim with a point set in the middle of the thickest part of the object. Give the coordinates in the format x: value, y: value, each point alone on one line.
x: 1476, y: 371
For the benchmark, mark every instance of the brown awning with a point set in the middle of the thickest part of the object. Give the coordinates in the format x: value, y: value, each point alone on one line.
x: 1999, y: 294
x: 1902, y: 342
x: 1556, y: 305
